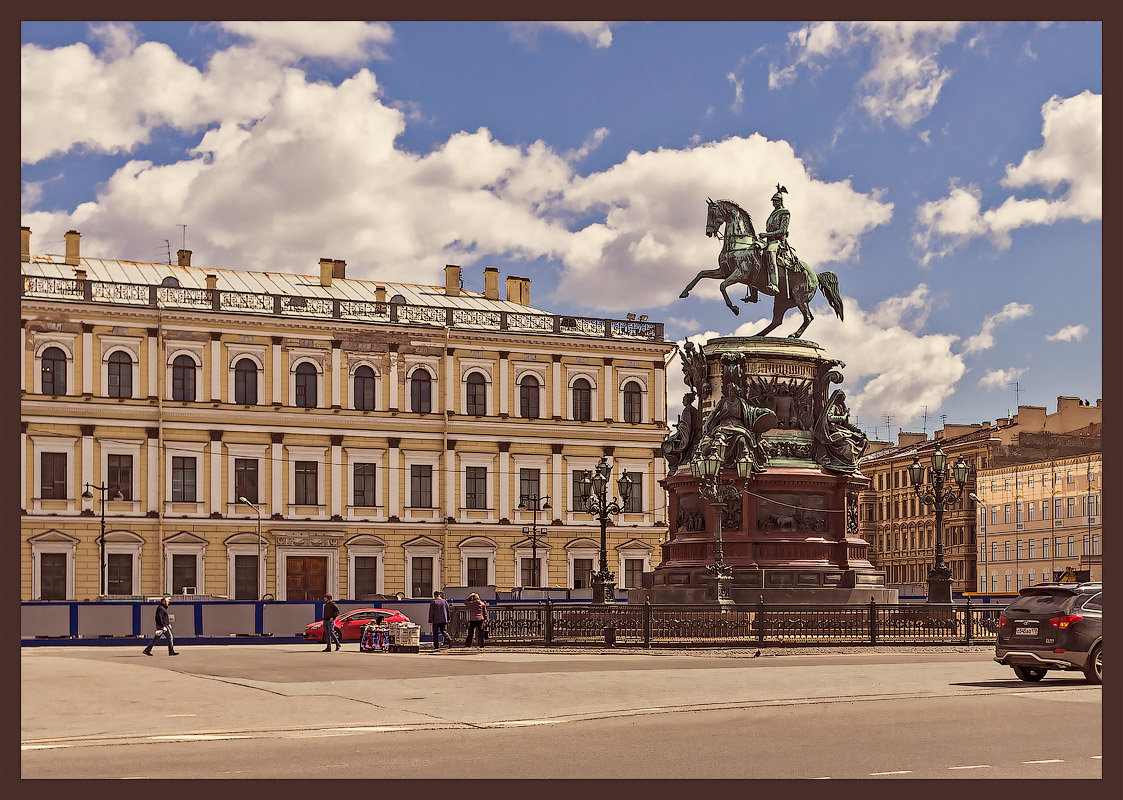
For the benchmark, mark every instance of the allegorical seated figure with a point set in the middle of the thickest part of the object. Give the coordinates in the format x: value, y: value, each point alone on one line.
x: 838, y: 442
x: 678, y: 446
x: 738, y: 425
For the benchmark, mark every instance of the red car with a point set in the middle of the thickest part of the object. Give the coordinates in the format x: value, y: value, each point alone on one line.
x: 350, y: 625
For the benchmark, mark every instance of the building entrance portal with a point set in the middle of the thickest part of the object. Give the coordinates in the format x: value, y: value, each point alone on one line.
x: 306, y: 577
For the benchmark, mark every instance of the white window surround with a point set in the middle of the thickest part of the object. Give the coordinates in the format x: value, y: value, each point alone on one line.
x: 422, y: 547
x: 357, y: 455
x: 366, y: 545
x: 125, y: 543
x: 283, y: 554
x: 487, y: 461
x: 477, y: 547
x: 254, y: 354
x: 130, y: 346
x: 520, y: 461
x: 198, y: 451
x: 432, y: 366
x: 633, y: 548
x: 626, y: 376
x: 66, y: 345
x: 580, y: 548
x: 622, y: 465
x: 352, y: 365
x: 572, y: 374
x: 245, y: 544
x: 53, y: 444
x: 431, y: 458
x: 316, y: 359
x: 573, y: 509
x: 52, y: 541
x: 317, y: 454
x: 523, y: 549
x: 259, y: 452
x: 185, y: 544
x: 194, y: 351
x: 122, y: 448
x: 485, y: 368
x: 538, y: 371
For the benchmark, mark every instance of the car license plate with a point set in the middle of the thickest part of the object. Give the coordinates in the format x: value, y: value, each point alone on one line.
x: 1027, y: 630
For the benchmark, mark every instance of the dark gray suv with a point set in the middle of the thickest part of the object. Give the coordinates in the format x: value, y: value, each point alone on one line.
x: 1053, y: 626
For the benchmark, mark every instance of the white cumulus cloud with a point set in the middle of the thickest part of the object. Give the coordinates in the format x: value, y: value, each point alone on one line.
x: 340, y: 41
x: 598, y: 34
x: 984, y: 339
x: 1069, y: 333
x: 1001, y: 378
x: 1067, y: 169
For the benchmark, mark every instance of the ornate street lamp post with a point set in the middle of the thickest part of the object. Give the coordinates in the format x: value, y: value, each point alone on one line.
x: 258, y: 510
x: 707, y: 469
x: 936, y: 495
x: 535, y: 504
x: 594, y: 492
x: 103, y: 588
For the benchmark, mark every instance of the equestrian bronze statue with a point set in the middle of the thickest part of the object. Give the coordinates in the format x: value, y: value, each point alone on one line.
x: 765, y: 263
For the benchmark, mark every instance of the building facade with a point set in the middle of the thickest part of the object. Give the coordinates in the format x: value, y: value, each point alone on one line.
x: 248, y: 434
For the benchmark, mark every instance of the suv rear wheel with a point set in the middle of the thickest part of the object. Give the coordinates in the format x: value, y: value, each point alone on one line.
x: 1094, y: 668
x: 1030, y: 674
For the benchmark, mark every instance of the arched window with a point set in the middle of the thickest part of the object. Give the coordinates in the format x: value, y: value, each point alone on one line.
x: 305, y: 385
x: 633, y: 399
x: 476, y: 399
x: 421, y: 392
x: 245, y: 382
x: 528, y: 397
x: 183, y: 378
x: 54, y: 371
x: 120, y: 375
x: 582, y: 400
x: 364, y: 388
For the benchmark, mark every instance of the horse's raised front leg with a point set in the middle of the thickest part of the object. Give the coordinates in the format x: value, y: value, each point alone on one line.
x: 779, y: 308
x: 807, y: 317
x: 730, y: 280
x: 706, y: 273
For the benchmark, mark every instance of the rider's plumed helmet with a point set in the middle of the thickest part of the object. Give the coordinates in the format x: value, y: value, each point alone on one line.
x: 780, y: 192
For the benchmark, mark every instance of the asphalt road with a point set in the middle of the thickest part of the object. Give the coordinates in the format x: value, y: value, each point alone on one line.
x: 278, y: 711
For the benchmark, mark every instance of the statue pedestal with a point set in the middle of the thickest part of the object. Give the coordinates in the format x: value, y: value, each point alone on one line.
x: 792, y: 536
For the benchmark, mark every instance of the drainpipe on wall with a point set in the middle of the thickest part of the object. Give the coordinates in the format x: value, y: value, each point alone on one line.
x: 450, y: 480
x: 160, y: 442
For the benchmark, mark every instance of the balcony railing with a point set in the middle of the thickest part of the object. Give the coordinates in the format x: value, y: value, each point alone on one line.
x: 153, y: 296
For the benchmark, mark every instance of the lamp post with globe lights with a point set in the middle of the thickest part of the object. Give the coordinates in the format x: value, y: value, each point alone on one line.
x: 938, y: 496
x: 103, y: 589
x: 708, y: 471
x: 594, y: 491
x: 533, y: 502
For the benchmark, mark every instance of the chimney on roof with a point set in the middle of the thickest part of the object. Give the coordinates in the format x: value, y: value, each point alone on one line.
x: 518, y: 290
x: 212, y: 279
x: 184, y: 257
x: 339, y: 269
x: 491, y: 283
x: 72, y: 249
x: 327, y: 270
x: 24, y: 243
x: 380, y: 294
x: 452, y: 280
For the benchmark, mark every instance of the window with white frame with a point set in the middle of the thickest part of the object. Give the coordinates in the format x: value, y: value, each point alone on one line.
x: 363, y: 388
x: 53, y: 371
x: 634, y: 558
x: 247, y: 374
x: 184, y: 555
x: 49, y: 452
x: 363, y: 466
x: 475, y: 395
x: 525, y: 553
x: 420, y: 390
x: 306, y: 476
x: 245, y: 477
x: 530, y: 393
x: 581, y: 400
x: 366, y: 566
x: 52, y: 566
x: 122, y: 563
x: 120, y: 466
x: 422, y: 567
x: 422, y: 471
x: 306, y: 385
x: 581, y: 555
x: 633, y: 391
x: 119, y: 374
x: 477, y: 561
x: 184, y: 372
x: 245, y: 566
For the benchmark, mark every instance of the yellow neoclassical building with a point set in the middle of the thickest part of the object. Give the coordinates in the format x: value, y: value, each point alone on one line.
x: 383, y: 435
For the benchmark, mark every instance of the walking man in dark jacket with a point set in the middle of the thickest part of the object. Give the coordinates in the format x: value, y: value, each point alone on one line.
x: 330, y: 634
x: 438, y: 618
x: 163, y: 628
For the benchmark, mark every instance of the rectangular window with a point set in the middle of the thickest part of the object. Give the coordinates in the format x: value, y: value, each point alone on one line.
x: 1018, y: 511
x: 575, y: 501
x: 477, y: 572
x: 634, y: 503
x: 1029, y: 481
x: 1044, y: 509
x: 1029, y: 549
x: 1019, y: 550
x: 1085, y: 545
x: 245, y: 577
x: 983, y: 554
x: 1072, y: 546
x: 994, y: 583
x: 529, y: 483
x: 120, y: 476
x: 582, y: 573
x: 633, y: 573
x: 1045, y: 548
x: 183, y: 479
x: 366, y: 577
x: 1007, y: 551
x: 420, y: 488
x: 52, y: 481
x: 475, y: 491
x: 1029, y: 515
x: 245, y: 479
x: 1071, y: 506
x: 1057, y: 547
x: 1019, y: 581
x: 1058, y: 508
x: 994, y: 515
x: 307, y: 493
x: 1006, y: 513
x: 1095, y: 544
x: 52, y: 576
x: 1031, y: 577
x: 992, y: 486
x: 1071, y: 477
x: 421, y: 580
x: 364, y: 486
x: 184, y: 573
x: 119, y: 573
x: 1007, y: 581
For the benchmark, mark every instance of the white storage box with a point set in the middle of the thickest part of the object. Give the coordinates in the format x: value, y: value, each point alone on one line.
x: 405, y: 637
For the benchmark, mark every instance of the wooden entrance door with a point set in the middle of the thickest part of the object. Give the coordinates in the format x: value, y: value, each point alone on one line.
x: 306, y: 577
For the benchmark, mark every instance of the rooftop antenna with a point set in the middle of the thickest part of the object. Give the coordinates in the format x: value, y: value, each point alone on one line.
x: 184, y: 239
x: 925, y: 428
x: 888, y: 430
x: 1017, y: 395
x: 168, y: 247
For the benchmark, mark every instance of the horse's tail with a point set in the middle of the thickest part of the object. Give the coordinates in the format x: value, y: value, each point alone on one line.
x: 829, y: 282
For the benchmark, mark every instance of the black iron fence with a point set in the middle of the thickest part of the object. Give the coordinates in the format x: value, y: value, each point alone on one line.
x: 759, y: 624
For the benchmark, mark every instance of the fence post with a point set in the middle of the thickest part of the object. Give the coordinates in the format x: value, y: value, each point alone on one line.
x: 549, y: 621
x: 647, y: 622
x: 873, y: 621
x: 968, y: 619
x: 760, y: 621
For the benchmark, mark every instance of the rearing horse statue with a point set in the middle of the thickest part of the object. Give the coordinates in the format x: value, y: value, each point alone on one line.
x: 740, y: 261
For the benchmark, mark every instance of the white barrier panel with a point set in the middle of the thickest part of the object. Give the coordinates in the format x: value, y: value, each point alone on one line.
x: 44, y: 621
x: 109, y: 620
x: 224, y: 619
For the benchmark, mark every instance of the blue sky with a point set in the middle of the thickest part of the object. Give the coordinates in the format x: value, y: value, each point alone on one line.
x: 948, y: 173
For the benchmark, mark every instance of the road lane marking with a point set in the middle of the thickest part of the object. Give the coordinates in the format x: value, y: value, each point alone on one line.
x: 1046, y: 761
x: 180, y: 715
x: 894, y: 772
x: 1095, y: 756
x: 973, y: 766
x: 43, y: 746
x: 518, y: 723
x: 197, y: 737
